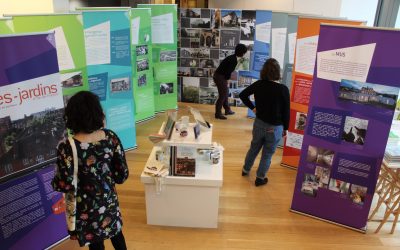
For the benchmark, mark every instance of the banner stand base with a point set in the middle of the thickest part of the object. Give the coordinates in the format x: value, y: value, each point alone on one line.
x: 146, y: 119
x: 288, y: 166
x: 129, y: 149
x: 331, y: 222
x: 57, y: 243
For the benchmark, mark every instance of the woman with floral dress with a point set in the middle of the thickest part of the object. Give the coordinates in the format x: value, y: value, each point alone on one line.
x: 101, y: 164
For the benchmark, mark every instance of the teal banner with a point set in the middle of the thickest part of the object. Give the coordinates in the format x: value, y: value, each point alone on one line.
x: 164, y: 36
x: 142, y: 63
x: 108, y: 56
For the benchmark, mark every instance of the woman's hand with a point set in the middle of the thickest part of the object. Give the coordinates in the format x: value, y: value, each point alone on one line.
x: 254, y: 110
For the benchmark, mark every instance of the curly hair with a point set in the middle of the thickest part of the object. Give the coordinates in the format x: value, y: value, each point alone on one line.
x: 83, y: 113
x: 271, y: 70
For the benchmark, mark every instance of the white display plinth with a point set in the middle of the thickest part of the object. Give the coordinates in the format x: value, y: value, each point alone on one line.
x: 185, y: 201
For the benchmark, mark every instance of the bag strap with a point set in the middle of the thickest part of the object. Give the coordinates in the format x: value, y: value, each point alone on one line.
x: 75, y: 160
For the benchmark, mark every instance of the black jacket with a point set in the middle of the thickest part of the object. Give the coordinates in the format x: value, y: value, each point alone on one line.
x: 272, y: 102
x: 227, y: 66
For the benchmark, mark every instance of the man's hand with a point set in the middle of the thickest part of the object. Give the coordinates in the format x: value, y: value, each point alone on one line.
x: 284, y: 133
x: 254, y: 110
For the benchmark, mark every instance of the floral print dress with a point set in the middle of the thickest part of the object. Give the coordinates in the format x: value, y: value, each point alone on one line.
x: 100, y: 165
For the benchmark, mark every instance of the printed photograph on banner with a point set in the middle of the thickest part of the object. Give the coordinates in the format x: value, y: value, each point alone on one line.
x: 142, y: 65
x: 168, y: 56
x: 248, y: 25
x: 189, y: 62
x: 301, y: 119
x: 339, y: 186
x: 355, y: 130
x: 320, y: 156
x: 190, y: 33
x: 200, y: 23
x: 185, y: 22
x: 191, y: 13
x: 31, y: 123
x: 244, y: 63
x: 229, y: 39
x: 70, y: 80
x: 202, y: 72
x: 310, y: 184
x: 184, y: 43
x: 66, y: 99
x: 120, y: 85
x: 142, y: 50
x: 244, y: 81
x: 209, y: 63
x: 205, y: 13
x: 249, y: 45
x: 190, y: 89
x: 369, y: 94
x: 195, y: 43
x: 209, y: 38
x: 230, y: 19
x: 183, y: 71
x: 224, y: 53
x: 166, y: 88
x: 358, y: 193
x: 322, y: 175
x: 208, y: 95
x: 215, y: 18
x: 142, y: 80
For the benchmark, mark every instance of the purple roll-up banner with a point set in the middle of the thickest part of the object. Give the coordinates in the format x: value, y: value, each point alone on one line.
x: 353, y: 98
x: 31, y: 125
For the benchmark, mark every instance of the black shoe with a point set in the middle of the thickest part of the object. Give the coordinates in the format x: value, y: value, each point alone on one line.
x: 244, y: 173
x: 230, y: 112
x: 220, y: 117
x: 260, y: 182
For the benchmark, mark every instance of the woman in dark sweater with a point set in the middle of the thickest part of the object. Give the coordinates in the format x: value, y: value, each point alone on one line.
x: 272, y: 109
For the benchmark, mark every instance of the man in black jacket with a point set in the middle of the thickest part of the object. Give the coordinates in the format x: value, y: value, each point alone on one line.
x: 221, y: 77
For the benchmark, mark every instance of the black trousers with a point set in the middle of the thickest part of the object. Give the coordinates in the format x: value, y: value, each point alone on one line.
x: 223, y: 92
x: 118, y: 242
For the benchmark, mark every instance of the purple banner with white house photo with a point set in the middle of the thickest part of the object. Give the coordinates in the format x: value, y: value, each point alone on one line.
x: 353, y: 99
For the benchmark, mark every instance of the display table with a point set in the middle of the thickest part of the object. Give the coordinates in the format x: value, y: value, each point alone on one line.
x: 185, y: 201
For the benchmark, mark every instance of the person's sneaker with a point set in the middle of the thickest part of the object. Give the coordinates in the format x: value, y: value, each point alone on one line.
x: 230, y: 112
x: 244, y: 173
x: 220, y: 117
x: 260, y: 182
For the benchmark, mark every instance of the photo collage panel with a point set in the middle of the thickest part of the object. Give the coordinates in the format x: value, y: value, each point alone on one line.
x: 206, y: 37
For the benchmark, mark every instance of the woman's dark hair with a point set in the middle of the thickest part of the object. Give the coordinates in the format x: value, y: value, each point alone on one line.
x: 84, y: 113
x: 271, y: 70
x: 240, y: 50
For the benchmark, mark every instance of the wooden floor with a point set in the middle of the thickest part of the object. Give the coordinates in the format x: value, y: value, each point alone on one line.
x: 249, y: 217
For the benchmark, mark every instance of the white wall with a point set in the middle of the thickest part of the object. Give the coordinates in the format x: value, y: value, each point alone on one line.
x: 61, y: 6
x: 397, y: 25
x: 363, y: 10
x: 285, y: 5
x: 26, y: 6
x: 329, y: 8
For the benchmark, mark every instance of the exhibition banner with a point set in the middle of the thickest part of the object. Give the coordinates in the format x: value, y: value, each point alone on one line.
x: 142, y: 52
x: 302, y: 78
x: 108, y: 56
x: 262, y: 42
x: 6, y: 26
x: 31, y: 103
x: 164, y: 26
x: 31, y: 125
x: 347, y: 130
x: 68, y: 30
x: 32, y: 215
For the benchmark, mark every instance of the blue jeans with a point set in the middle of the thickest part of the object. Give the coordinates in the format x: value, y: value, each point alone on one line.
x: 265, y: 136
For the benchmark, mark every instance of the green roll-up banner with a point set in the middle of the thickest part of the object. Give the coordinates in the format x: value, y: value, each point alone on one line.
x: 6, y: 26
x: 164, y: 36
x: 142, y: 77
x: 69, y: 42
